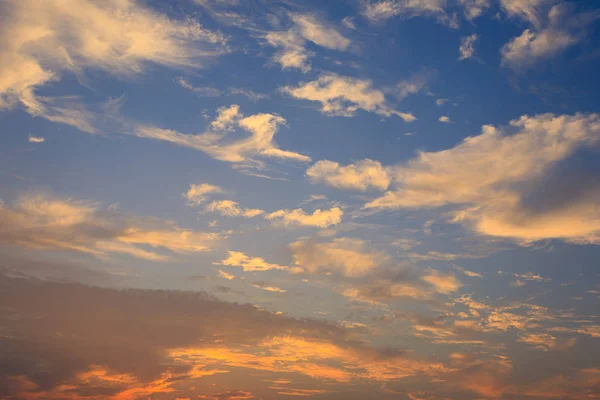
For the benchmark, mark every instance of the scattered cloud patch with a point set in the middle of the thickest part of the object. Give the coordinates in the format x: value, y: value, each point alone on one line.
x: 362, y: 175
x: 344, y: 96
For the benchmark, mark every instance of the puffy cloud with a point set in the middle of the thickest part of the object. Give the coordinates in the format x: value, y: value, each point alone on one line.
x: 247, y: 263
x: 229, y: 208
x: 553, y: 32
x: 262, y: 128
x: 344, y: 256
x: 40, y: 40
x: 198, y: 193
x: 445, y: 119
x: 343, y: 96
x: 500, y: 180
x: 361, y: 175
x: 45, y: 222
x: 319, y: 218
x: 467, y: 46
x: 292, y: 43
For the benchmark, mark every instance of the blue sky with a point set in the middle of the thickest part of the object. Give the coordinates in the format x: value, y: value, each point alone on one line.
x: 396, y: 197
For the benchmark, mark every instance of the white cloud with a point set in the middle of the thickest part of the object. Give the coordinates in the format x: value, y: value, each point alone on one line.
x: 36, y: 139
x: 445, y: 119
x: 229, y: 208
x: 319, y: 218
x: 467, y: 46
x: 496, y: 179
x: 292, y: 51
x: 42, y: 221
x: 42, y: 39
x: 528, y: 10
x: 554, y: 31
x: 361, y: 175
x: 260, y: 143
x: 346, y: 256
x: 343, y: 96
x: 197, y: 194
x: 440, y: 102
x: 474, y: 8
x: 319, y: 32
x: 378, y: 11
x: 248, y: 264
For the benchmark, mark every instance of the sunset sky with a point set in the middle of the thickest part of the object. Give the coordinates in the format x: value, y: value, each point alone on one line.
x: 276, y: 199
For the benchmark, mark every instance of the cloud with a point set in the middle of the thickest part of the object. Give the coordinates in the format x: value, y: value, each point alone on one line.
x: 36, y: 139
x: 85, y: 341
x: 500, y: 180
x: 202, y: 91
x: 383, y: 10
x: 474, y: 8
x: 41, y: 221
x: 319, y: 218
x: 471, y: 274
x: 248, y: 264
x: 226, y: 275
x: 344, y: 256
x: 214, y: 92
x: 440, y: 102
x: 552, y: 34
x: 229, y: 208
x: 262, y: 128
x: 445, y: 119
x: 443, y: 283
x: 266, y: 286
x: 361, y: 175
x: 198, y: 193
x: 343, y: 96
x: 528, y: 10
x: 42, y: 40
x: 416, y: 83
x: 467, y: 46
x: 292, y: 43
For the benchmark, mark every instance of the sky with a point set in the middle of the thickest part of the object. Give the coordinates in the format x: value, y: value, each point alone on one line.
x: 273, y: 199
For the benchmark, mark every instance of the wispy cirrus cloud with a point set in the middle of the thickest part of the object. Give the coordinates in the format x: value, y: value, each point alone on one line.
x: 230, y: 208
x: 43, y: 40
x: 262, y: 128
x: 344, y: 96
x: 43, y: 221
